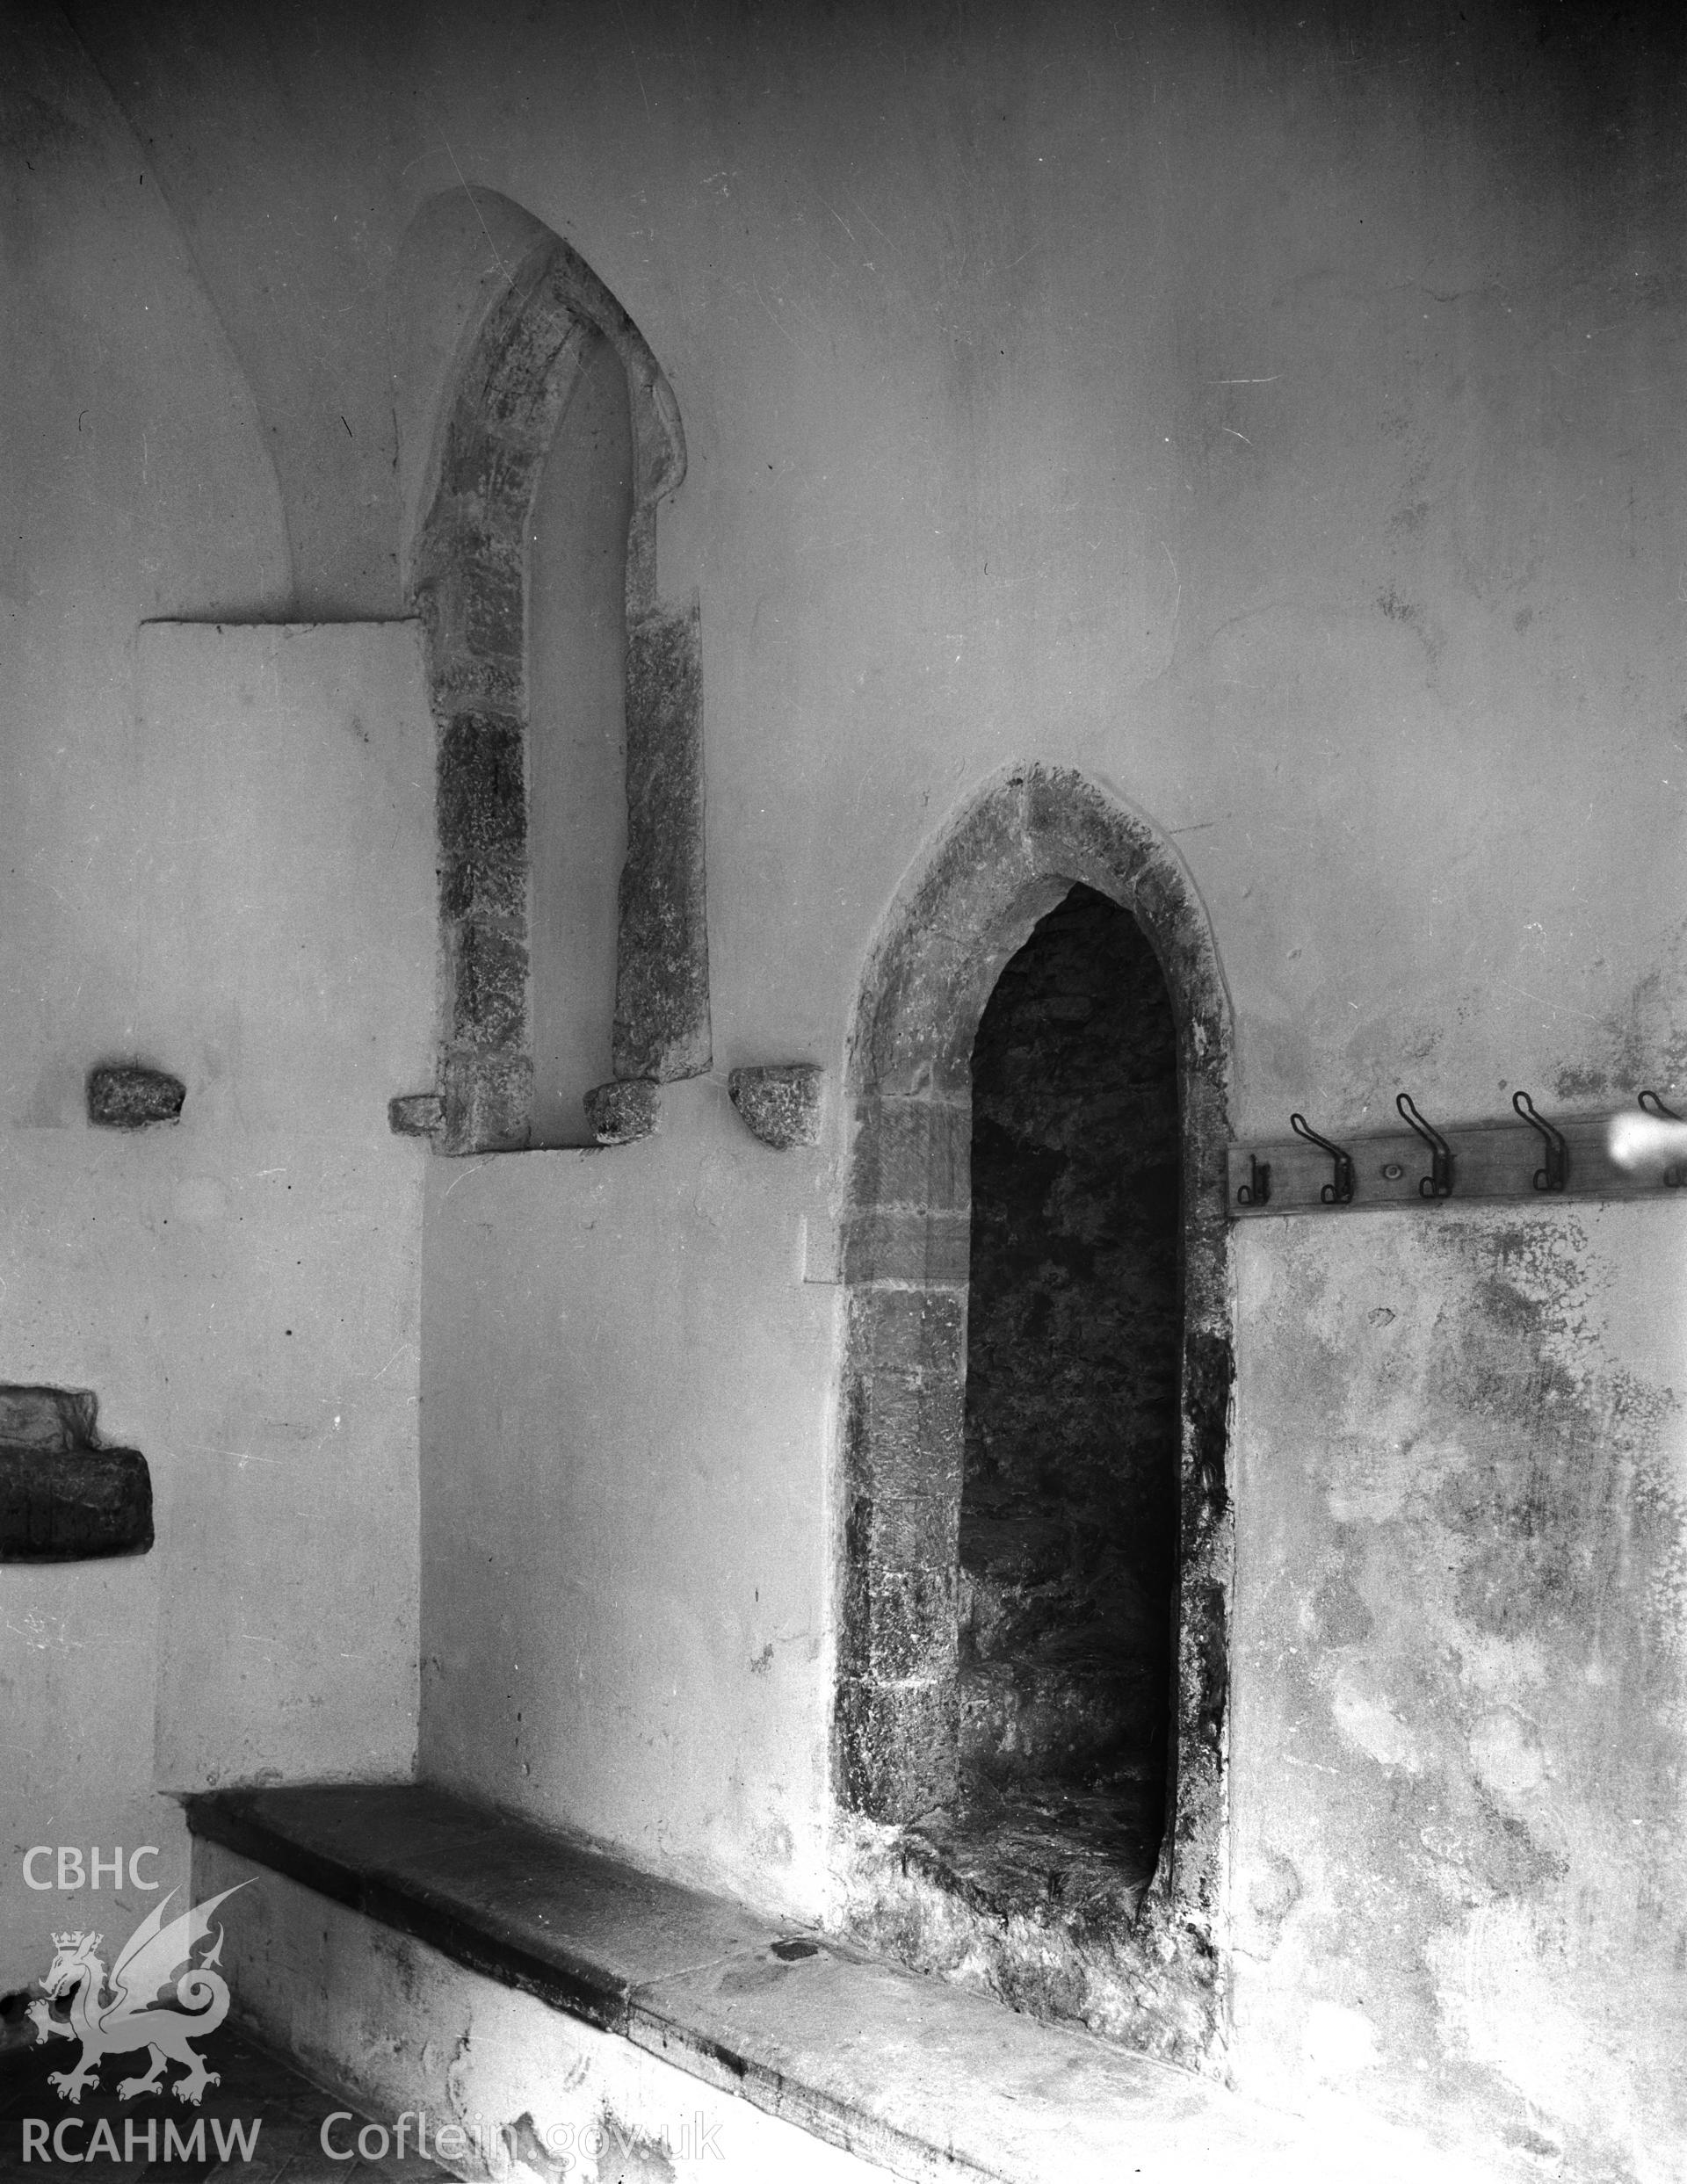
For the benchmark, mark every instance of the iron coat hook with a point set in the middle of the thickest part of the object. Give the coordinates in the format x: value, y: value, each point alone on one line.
x: 1676, y: 1175
x: 1438, y: 1182
x: 1340, y: 1192
x: 1556, y: 1174
x: 1257, y: 1189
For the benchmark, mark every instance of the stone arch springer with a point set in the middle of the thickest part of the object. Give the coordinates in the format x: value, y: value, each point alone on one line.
x: 1002, y: 862
x: 469, y: 583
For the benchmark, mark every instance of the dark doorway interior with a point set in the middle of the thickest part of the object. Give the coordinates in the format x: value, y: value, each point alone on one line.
x: 1069, y: 1498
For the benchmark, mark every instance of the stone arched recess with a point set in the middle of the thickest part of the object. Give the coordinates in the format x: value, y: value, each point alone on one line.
x: 1009, y: 858
x: 470, y: 590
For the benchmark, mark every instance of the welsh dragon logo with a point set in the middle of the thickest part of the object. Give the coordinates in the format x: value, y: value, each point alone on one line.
x: 132, y: 2008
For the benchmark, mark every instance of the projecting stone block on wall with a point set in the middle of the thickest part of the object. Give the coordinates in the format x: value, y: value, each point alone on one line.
x: 47, y: 1418
x: 62, y: 1498
x: 779, y: 1102
x: 621, y: 1113
x: 416, y: 1115
x: 124, y: 1095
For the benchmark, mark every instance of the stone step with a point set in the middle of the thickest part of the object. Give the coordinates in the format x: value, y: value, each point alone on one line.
x: 435, y: 1959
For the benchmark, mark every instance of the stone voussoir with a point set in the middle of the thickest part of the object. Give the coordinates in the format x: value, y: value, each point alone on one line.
x: 907, y: 1331
x: 488, y: 985
x: 907, y: 1244
x: 488, y: 1102
x: 912, y: 1152
x: 896, y: 1746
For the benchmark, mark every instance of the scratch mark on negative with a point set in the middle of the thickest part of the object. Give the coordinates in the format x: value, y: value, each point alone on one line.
x: 464, y: 1177
x: 632, y: 49
x: 469, y: 194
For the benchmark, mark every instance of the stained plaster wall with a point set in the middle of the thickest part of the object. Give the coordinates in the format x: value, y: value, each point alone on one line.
x: 195, y: 817
x: 1271, y: 413
x: 1462, y: 1560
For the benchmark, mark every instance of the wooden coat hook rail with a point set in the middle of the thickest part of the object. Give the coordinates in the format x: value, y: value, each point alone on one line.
x: 1535, y: 1157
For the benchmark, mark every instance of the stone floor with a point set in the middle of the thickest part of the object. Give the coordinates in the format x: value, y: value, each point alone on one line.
x: 256, y: 2088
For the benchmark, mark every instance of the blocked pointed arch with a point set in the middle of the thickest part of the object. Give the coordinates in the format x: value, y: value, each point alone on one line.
x: 470, y: 585
x: 1012, y: 853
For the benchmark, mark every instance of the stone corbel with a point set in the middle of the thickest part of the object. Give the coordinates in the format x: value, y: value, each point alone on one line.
x: 779, y: 1102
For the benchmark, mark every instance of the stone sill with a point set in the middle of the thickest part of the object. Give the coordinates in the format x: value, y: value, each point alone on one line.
x: 925, y: 2079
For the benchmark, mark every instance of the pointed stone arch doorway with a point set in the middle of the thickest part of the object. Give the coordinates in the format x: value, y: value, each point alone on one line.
x: 1014, y: 853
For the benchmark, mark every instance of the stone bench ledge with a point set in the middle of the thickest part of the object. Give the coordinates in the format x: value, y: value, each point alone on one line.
x: 924, y: 2079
